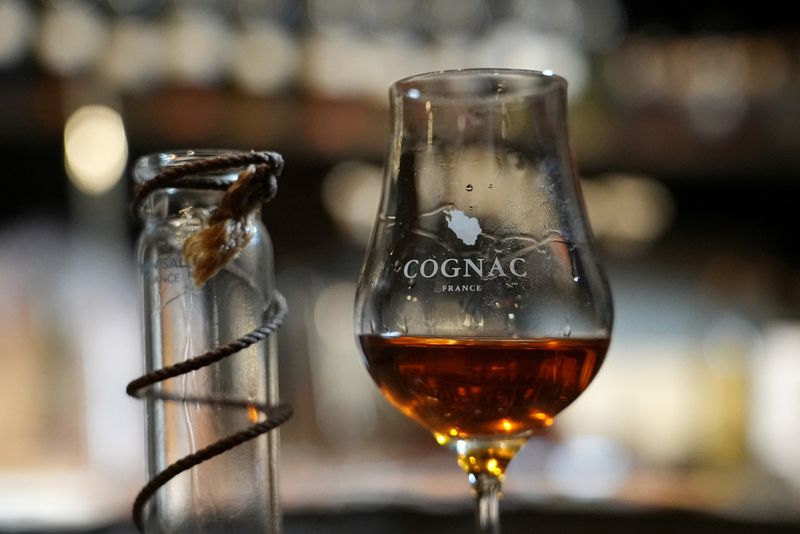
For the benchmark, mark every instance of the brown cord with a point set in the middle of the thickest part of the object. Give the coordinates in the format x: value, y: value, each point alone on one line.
x: 255, y: 186
x: 182, y: 176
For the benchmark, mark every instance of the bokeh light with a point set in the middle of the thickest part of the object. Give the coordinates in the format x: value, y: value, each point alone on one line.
x: 16, y: 31
x: 95, y: 148
x: 265, y: 57
x: 72, y: 37
x: 197, y: 46
x: 350, y: 193
x: 134, y: 58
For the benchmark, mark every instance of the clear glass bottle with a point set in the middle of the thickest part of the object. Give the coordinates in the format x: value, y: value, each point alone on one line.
x: 236, y: 491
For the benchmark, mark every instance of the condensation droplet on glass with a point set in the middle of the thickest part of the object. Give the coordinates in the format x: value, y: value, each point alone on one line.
x: 574, y: 265
x: 566, y: 331
x: 510, y: 325
x: 576, y: 278
x: 469, y: 187
x: 491, y: 186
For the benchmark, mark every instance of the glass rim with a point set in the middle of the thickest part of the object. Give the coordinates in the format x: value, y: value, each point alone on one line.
x: 149, y: 165
x: 547, y: 79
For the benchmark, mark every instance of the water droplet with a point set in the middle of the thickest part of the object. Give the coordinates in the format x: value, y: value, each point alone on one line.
x: 574, y: 264
x: 566, y: 331
x: 576, y: 278
x: 469, y: 187
x: 491, y: 186
x: 470, y: 207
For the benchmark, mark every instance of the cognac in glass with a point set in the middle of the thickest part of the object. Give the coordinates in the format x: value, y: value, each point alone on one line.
x: 482, y: 311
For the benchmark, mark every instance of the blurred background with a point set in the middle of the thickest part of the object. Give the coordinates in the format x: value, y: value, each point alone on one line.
x: 686, y: 125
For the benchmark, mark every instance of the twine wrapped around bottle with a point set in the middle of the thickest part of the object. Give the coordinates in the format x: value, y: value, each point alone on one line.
x: 206, y: 253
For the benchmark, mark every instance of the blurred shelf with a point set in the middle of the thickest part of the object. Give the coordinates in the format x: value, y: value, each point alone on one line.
x: 298, y: 125
x: 655, y: 139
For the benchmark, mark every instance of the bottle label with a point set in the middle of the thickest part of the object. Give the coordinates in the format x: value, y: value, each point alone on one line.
x: 166, y: 269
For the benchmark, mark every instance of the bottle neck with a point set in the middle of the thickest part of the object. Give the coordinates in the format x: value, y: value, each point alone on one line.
x: 169, y: 204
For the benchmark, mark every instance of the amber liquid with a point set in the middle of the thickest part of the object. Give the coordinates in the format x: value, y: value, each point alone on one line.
x: 482, y: 388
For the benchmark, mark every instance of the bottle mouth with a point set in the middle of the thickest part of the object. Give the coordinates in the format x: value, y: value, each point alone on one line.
x: 478, y: 85
x: 152, y: 165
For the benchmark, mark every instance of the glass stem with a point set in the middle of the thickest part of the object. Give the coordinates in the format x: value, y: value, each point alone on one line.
x: 487, y: 513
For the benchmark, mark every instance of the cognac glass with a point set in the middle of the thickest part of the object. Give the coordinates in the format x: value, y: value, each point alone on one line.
x: 482, y: 311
